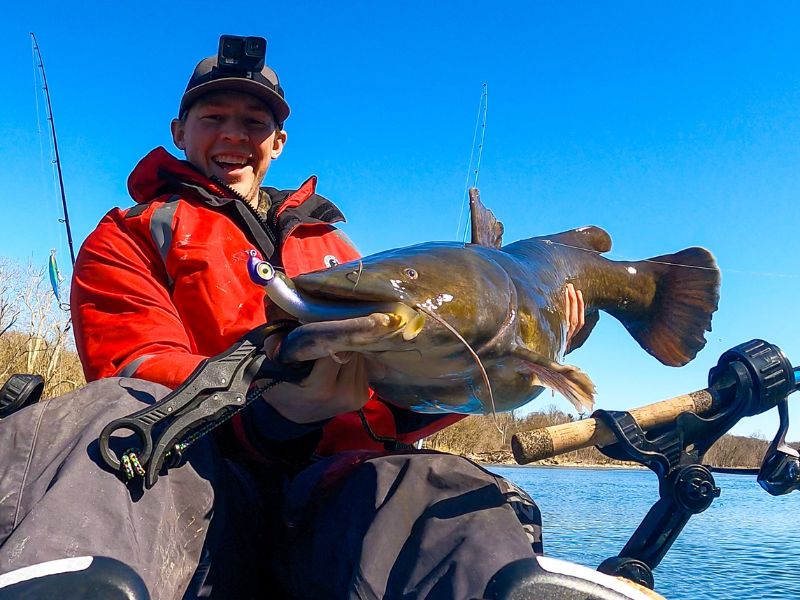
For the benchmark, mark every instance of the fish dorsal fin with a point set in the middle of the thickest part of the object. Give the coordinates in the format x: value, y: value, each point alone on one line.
x: 486, y: 229
x: 589, y: 237
x: 568, y: 380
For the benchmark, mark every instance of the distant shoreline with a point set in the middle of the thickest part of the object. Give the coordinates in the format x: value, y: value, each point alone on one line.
x: 504, y: 458
x: 609, y: 467
x: 598, y: 466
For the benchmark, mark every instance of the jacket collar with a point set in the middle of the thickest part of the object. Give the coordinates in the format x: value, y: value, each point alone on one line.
x: 161, y: 173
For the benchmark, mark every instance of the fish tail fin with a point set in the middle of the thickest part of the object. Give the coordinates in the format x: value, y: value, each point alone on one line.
x: 686, y: 295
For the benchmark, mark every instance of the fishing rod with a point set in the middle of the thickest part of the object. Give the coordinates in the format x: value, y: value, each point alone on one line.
x: 672, y: 436
x: 57, y: 160
x: 480, y: 124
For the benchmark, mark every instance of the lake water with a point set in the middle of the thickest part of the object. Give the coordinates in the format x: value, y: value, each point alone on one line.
x: 746, y: 545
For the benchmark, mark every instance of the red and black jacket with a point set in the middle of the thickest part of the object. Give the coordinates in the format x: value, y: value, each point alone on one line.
x: 161, y: 286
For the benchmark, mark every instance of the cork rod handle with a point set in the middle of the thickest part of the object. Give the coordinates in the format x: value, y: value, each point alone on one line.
x: 547, y: 442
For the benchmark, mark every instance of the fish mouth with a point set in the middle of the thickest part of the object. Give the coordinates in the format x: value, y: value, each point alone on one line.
x: 331, y: 323
x: 373, y: 334
x: 315, y: 307
x: 341, y: 297
x: 320, y: 305
x: 340, y: 289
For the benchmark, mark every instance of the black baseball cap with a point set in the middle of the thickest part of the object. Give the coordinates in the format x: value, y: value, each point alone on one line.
x: 264, y: 85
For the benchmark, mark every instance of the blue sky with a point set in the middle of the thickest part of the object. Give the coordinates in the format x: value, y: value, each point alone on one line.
x: 668, y: 124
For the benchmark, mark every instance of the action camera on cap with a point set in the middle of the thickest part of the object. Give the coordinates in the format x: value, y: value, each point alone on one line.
x: 238, y: 66
x: 239, y: 54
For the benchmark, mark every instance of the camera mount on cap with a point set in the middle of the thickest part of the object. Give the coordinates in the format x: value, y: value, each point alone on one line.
x: 241, y: 55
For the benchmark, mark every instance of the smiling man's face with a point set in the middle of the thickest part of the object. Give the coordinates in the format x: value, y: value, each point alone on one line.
x: 231, y: 136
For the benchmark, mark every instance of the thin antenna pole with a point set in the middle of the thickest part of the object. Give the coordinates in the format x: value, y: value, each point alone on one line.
x: 55, y: 150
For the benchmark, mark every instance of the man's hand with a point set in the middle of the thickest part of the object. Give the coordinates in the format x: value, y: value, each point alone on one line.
x: 336, y: 385
x: 574, y: 310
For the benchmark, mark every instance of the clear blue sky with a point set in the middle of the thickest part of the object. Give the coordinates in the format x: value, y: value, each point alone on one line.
x: 668, y: 124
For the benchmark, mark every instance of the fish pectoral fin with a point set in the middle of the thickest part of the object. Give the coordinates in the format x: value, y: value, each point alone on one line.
x: 567, y: 380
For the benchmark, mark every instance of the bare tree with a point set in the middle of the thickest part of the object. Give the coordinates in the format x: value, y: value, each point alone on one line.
x: 9, y: 296
x: 35, y: 332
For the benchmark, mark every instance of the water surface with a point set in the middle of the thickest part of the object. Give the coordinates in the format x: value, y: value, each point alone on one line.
x: 746, y: 545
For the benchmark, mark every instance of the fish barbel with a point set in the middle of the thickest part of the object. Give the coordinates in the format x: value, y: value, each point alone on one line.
x: 473, y: 328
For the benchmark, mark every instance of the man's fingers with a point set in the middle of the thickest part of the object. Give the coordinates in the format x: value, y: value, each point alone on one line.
x: 571, y: 301
x: 322, y: 378
x: 362, y: 381
x: 574, y: 310
x: 340, y: 357
x: 272, y: 344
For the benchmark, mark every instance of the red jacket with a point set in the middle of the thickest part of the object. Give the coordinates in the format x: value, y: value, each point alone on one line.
x: 161, y: 286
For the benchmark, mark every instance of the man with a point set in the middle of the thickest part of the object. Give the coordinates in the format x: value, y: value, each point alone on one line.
x: 309, y: 492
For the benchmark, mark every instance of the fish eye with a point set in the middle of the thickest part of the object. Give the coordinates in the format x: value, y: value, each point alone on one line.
x: 410, y: 273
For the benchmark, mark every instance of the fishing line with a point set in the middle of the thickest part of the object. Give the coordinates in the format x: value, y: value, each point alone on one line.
x: 464, y: 195
x: 483, y: 105
x: 37, y: 87
x: 36, y: 103
x: 662, y: 262
x: 474, y: 354
x: 483, y: 134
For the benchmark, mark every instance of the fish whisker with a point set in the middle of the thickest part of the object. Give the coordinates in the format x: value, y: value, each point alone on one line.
x: 358, y: 274
x: 338, y: 359
x: 472, y: 352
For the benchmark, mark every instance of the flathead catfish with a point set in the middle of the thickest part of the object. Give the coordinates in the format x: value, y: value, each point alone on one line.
x: 473, y: 328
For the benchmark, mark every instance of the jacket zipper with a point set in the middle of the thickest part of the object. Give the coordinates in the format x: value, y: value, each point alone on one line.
x: 273, y: 210
x: 265, y: 225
